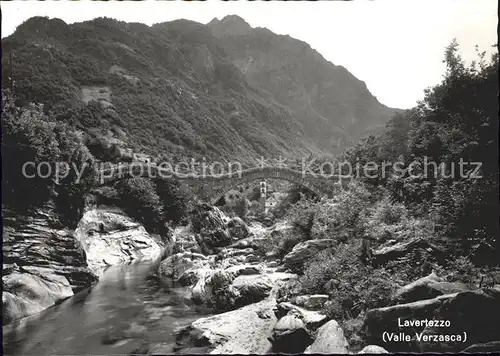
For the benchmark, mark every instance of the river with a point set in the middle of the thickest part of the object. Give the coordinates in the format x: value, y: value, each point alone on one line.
x: 127, y: 311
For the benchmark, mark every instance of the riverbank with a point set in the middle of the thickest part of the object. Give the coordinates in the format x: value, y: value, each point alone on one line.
x: 124, y: 313
x: 44, y: 265
x: 242, y: 290
x: 246, y: 285
x: 262, y: 304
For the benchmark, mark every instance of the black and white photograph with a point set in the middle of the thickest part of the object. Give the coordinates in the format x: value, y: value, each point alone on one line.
x: 250, y: 177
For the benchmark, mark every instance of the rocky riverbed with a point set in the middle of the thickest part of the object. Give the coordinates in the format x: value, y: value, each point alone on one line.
x: 260, y: 309
x: 44, y: 265
x: 218, y: 259
x: 217, y: 263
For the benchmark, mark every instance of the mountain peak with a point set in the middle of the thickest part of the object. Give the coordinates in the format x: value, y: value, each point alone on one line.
x: 229, y: 25
x: 38, y: 24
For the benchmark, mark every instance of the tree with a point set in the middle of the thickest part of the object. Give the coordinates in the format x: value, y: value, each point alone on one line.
x: 47, y: 161
x: 241, y: 208
x: 174, y: 200
x: 80, y: 178
x: 456, y: 120
x: 139, y: 199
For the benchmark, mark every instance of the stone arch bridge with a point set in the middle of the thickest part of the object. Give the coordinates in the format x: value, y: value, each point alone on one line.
x: 211, y: 188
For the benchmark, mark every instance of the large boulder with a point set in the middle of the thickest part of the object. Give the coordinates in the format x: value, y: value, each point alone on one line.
x: 212, y: 289
x: 231, y: 288
x: 183, y: 267
x: 32, y: 290
x: 247, y: 289
x: 427, y: 287
x: 245, y: 270
x: 329, y: 339
x: 290, y: 334
x: 381, y: 322
x: 242, y: 331
x: 210, y: 223
x: 492, y: 346
x: 47, y: 264
x: 110, y: 237
x: 373, y: 349
x: 303, y: 251
x: 314, y: 302
x: 31, y: 241
x: 238, y: 229
x: 474, y: 316
x: 184, y: 239
x: 201, y: 292
x: 394, y: 249
x: 312, y: 319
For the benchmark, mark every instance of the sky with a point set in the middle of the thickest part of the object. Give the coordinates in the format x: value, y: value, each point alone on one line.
x: 395, y: 46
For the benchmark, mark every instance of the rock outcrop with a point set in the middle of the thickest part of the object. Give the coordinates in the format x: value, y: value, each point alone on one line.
x: 238, y: 229
x: 474, y: 315
x: 471, y: 315
x: 185, y: 240
x: 329, y: 339
x: 41, y: 265
x: 290, y: 334
x: 28, y: 291
x: 234, y: 287
x: 247, y: 289
x: 183, y: 267
x: 304, y: 251
x: 373, y: 349
x: 311, y: 319
x: 110, y: 237
x: 211, y: 223
x: 392, y: 250
x: 427, y: 287
x: 243, y: 331
x: 380, y: 320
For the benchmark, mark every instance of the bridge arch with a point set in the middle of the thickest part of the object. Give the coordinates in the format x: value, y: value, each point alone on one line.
x: 213, y: 187
x: 218, y: 192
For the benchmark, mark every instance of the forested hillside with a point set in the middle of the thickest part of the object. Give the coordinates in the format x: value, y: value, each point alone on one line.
x: 334, y: 107
x: 457, y: 121
x: 172, y: 89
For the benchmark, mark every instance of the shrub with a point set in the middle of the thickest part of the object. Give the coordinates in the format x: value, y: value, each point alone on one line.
x: 463, y: 270
x: 174, y: 200
x: 107, y: 195
x: 29, y: 135
x: 301, y: 216
x: 286, y: 244
x: 389, y: 213
x: 353, y: 286
x: 292, y: 196
x: 241, y: 208
x: 279, y: 243
x: 139, y: 199
x: 341, y: 216
x: 71, y: 191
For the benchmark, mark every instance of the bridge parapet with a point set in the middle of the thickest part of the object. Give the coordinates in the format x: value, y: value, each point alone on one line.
x: 216, y: 185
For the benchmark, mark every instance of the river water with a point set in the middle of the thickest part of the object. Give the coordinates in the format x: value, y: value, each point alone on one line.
x: 126, y: 312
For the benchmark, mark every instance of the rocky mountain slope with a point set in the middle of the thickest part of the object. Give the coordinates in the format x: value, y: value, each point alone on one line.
x: 334, y: 107
x: 182, y: 88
